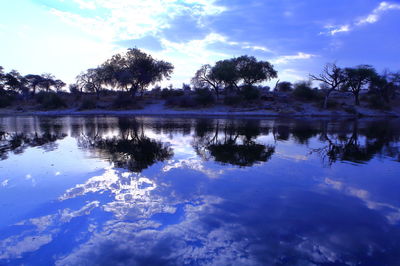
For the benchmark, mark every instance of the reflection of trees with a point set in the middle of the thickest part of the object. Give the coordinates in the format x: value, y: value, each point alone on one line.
x: 231, y: 143
x: 360, y: 144
x: 19, y: 142
x: 130, y: 149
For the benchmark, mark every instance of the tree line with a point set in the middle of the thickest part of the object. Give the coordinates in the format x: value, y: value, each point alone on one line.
x: 135, y: 71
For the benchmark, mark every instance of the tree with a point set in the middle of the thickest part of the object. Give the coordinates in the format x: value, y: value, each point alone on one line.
x: 385, y: 85
x: 205, y: 77
x: 33, y: 81
x: 284, y: 86
x: 135, y: 70
x: 47, y: 81
x: 225, y: 71
x: 252, y: 71
x: 14, y: 81
x: 332, y: 77
x: 357, y: 78
x: 92, y: 80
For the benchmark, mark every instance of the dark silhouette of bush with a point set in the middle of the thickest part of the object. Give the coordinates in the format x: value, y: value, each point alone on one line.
x: 233, y: 99
x: 377, y: 102
x: 124, y: 101
x: 303, y: 91
x: 6, y: 99
x: 50, y: 100
x: 250, y: 93
x: 166, y: 93
x: 284, y: 86
x: 88, y: 103
x: 204, y: 97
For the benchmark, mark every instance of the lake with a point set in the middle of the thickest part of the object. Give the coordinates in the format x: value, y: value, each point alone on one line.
x: 172, y: 191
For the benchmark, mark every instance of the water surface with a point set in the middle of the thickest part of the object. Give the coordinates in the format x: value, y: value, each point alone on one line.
x: 152, y: 191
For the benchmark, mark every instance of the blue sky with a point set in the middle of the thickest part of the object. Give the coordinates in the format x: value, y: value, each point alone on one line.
x: 65, y: 37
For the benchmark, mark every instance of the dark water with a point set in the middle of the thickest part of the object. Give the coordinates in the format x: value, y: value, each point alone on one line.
x: 147, y: 191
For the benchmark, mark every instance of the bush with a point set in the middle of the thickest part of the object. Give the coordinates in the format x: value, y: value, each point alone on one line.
x: 284, y: 86
x: 250, y: 93
x: 88, y: 103
x: 376, y: 102
x: 204, y: 97
x: 166, y: 93
x: 303, y: 91
x: 50, y: 100
x: 233, y: 99
x: 124, y: 100
x: 6, y: 99
x: 350, y: 109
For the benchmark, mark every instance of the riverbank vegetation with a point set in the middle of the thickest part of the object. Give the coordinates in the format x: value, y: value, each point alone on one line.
x: 130, y: 81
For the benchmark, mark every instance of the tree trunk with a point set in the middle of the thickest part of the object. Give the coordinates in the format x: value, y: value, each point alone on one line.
x: 357, y: 98
x: 326, y: 99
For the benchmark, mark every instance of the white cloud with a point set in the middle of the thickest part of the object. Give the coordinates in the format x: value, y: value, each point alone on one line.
x: 337, y: 29
x: 371, y: 18
x: 257, y: 48
x: 377, y: 13
x: 129, y: 19
x: 287, y: 58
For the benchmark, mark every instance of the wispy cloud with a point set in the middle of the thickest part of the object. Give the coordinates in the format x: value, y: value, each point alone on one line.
x: 371, y: 18
x: 377, y: 13
x: 287, y: 58
x: 129, y: 19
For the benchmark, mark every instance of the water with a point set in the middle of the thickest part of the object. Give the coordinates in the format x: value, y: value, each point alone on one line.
x: 148, y: 191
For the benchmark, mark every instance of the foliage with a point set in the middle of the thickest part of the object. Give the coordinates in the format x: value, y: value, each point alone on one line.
x: 205, y: 77
x: 284, y: 86
x: 50, y: 100
x: 250, y: 93
x: 233, y: 99
x: 204, y: 97
x: 123, y: 101
x: 134, y: 71
x: 357, y: 78
x: 88, y: 103
x: 302, y: 90
x: 251, y: 71
x: 167, y: 93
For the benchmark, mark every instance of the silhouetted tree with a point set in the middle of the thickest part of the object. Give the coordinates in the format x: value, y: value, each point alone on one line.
x: 357, y: 78
x: 333, y: 77
x: 92, y: 80
x: 225, y: 71
x: 135, y: 70
x: 34, y: 82
x: 205, y: 77
x: 251, y: 71
x: 47, y: 81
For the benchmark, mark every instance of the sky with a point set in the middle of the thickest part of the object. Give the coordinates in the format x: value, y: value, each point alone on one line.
x: 66, y: 37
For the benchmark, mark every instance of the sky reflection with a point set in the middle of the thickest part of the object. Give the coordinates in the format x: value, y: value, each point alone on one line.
x: 198, y: 192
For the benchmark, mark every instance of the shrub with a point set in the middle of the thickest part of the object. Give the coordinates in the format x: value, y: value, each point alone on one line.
x: 250, y: 93
x: 124, y: 100
x: 50, y: 100
x: 284, y: 86
x: 88, y: 103
x: 166, y: 93
x: 6, y: 99
x: 303, y: 91
x: 376, y: 102
x: 233, y: 99
x: 204, y: 97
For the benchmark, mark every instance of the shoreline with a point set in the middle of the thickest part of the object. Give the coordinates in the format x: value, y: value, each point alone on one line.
x: 198, y: 113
